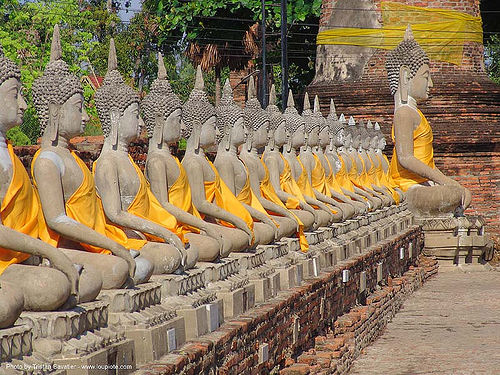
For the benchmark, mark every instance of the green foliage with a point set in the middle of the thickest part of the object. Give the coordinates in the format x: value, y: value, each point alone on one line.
x: 17, y: 137
x: 492, y: 52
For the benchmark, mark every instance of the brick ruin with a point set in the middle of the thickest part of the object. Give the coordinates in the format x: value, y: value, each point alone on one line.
x: 463, y: 108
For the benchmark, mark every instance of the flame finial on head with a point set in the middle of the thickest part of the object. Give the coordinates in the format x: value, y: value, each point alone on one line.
x: 112, y: 60
x: 55, y: 47
x: 272, y: 95
x: 162, y: 71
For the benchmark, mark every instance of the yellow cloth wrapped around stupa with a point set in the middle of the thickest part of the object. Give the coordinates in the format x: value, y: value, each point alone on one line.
x: 422, y: 150
x: 19, y: 210
x: 85, y: 207
x: 218, y: 192
x: 268, y: 192
x: 289, y: 185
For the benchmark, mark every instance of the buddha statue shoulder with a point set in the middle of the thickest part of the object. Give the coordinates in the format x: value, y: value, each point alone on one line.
x: 24, y: 286
x: 234, y: 173
x: 296, y: 134
x: 280, y: 177
x: 126, y: 197
x: 210, y: 195
x: 430, y: 193
x: 62, y: 178
x: 162, y: 113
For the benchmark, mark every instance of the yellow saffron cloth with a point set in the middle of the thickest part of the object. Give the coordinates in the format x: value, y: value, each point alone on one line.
x: 331, y: 179
x: 422, y: 150
x: 146, y: 206
x: 85, y: 207
x: 289, y: 185
x: 318, y: 178
x: 218, y: 192
x: 268, y: 192
x: 303, y: 182
x: 19, y: 210
x: 343, y: 177
x: 441, y: 32
x: 383, y: 181
x: 179, y: 194
x: 248, y: 197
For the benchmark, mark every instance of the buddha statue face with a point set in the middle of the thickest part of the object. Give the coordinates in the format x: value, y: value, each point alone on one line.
x: 280, y: 136
x: 172, y: 127
x: 260, y: 136
x: 339, y: 138
x: 420, y: 84
x: 348, y: 142
x: 69, y: 118
x: 126, y: 124
x: 365, y: 140
x: 313, y: 137
x: 208, y: 133
x: 13, y: 104
x: 299, y: 137
x: 238, y: 132
x: 324, y: 137
x: 381, y: 143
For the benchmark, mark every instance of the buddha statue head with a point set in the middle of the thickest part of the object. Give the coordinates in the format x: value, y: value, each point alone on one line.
x: 294, y: 125
x: 347, y: 139
x: 372, y: 135
x: 162, y: 110
x: 352, y: 134
x: 256, y: 119
x: 324, y: 130
x: 408, y: 70
x: 117, y: 105
x: 230, y: 120
x: 336, y: 126
x: 58, y: 97
x: 198, y: 116
x: 364, y: 137
x: 276, y: 131
x: 381, y: 143
x: 13, y: 104
x: 311, y: 124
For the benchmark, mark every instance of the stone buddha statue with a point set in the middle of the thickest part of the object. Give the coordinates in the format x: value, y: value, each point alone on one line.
x: 126, y: 197
x: 429, y: 192
x: 340, y: 181
x: 325, y: 179
x: 232, y: 135
x: 295, y: 126
x: 257, y: 126
x: 212, y: 198
x: 370, y: 176
x: 312, y: 163
x: 23, y: 286
x: 72, y: 215
x: 280, y: 176
x: 162, y: 111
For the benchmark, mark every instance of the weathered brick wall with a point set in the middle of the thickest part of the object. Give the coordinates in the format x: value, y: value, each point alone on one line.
x: 289, y: 323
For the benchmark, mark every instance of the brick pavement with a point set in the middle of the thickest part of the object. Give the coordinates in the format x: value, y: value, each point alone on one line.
x: 451, y: 326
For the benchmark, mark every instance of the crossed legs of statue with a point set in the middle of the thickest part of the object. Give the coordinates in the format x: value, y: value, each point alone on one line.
x: 286, y: 226
x: 305, y: 217
x: 12, y: 303
x: 434, y: 201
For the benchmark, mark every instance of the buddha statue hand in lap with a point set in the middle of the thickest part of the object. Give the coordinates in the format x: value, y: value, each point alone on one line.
x: 429, y: 192
x: 23, y: 286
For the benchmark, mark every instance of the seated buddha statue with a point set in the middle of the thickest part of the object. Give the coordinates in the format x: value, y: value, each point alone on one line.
x: 23, y: 286
x: 296, y: 134
x: 355, y: 167
x: 162, y: 111
x: 280, y: 175
x: 312, y: 163
x: 257, y: 128
x: 323, y: 179
x: 72, y: 214
x: 429, y: 192
x: 340, y: 181
x: 212, y: 198
x: 232, y: 135
x: 370, y: 176
x: 126, y: 197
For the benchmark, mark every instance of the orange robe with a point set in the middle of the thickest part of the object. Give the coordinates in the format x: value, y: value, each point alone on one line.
x: 304, y: 183
x: 289, y: 185
x: 331, y: 179
x: 422, y: 150
x: 218, y: 192
x: 268, y: 192
x: 85, y: 207
x: 343, y: 177
x: 19, y: 210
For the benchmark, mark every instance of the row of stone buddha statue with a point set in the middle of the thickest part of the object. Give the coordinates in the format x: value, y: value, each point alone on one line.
x: 115, y: 226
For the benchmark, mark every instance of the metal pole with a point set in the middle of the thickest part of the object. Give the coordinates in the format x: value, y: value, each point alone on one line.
x: 264, y: 73
x: 284, y: 56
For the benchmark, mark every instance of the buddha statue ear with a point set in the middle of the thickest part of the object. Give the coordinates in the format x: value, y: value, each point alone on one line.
x: 114, y: 116
x: 158, y: 130
x: 404, y: 83
x: 53, y: 130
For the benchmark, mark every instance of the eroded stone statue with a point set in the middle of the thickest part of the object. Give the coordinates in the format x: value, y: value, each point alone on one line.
x: 429, y: 192
x: 340, y: 181
x: 162, y: 112
x: 295, y: 126
x: 72, y: 215
x: 22, y: 286
x: 126, y: 197
x: 280, y: 175
x: 211, y: 197
x: 231, y: 126
x: 312, y: 163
